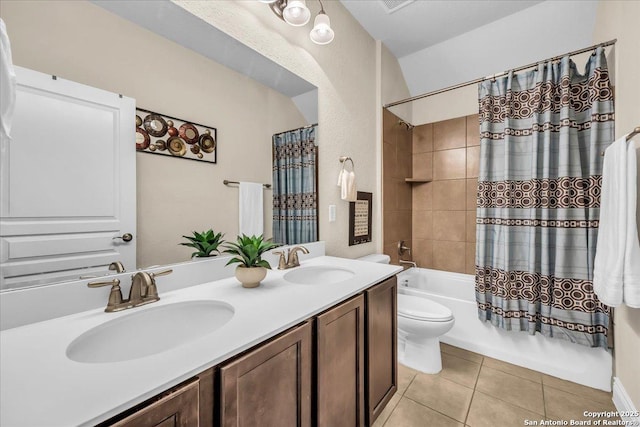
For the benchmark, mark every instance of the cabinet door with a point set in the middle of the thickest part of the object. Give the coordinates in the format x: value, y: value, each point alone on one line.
x: 382, y: 354
x: 271, y: 385
x: 340, y: 365
x: 208, y: 408
x: 178, y: 408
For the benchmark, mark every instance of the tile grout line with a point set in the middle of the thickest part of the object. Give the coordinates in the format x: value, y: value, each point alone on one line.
x: 574, y: 393
x: 544, y: 401
x: 466, y: 418
x: 401, y: 397
x: 434, y: 410
x: 393, y: 410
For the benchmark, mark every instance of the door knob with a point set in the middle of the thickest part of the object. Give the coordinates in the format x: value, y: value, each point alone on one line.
x: 126, y: 237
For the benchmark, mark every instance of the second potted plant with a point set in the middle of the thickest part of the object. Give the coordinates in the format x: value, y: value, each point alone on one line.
x: 248, y: 252
x: 205, y: 243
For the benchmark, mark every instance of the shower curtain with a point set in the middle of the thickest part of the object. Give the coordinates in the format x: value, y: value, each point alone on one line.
x: 295, y: 217
x: 542, y: 135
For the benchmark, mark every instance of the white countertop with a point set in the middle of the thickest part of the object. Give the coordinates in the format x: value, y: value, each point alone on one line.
x: 40, y: 386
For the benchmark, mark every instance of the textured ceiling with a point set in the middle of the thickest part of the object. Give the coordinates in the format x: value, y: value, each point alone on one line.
x: 424, y: 23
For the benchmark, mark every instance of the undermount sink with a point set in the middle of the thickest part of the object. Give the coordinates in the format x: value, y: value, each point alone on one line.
x: 149, y: 331
x: 318, y: 275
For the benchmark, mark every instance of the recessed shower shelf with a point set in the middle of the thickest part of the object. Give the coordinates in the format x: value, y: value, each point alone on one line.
x: 417, y: 180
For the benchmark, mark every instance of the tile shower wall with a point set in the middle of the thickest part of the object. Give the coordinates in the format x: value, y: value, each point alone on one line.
x: 443, y: 214
x: 397, y: 194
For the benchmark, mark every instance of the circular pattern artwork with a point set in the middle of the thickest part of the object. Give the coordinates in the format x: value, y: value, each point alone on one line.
x: 160, y: 134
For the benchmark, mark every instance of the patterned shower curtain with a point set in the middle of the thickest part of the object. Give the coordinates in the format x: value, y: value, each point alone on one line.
x: 542, y: 135
x: 295, y: 188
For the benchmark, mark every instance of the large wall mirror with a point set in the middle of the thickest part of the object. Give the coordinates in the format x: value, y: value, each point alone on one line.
x: 172, y: 63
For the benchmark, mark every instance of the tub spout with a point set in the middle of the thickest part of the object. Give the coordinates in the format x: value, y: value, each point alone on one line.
x: 411, y: 263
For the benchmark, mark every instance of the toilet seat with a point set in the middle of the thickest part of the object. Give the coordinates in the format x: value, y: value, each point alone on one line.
x: 418, y: 308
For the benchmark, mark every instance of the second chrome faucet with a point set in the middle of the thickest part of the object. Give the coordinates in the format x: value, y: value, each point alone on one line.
x: 292, y: 259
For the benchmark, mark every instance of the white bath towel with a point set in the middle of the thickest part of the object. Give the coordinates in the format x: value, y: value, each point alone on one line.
x: 251, y: 209
x: 608, y: 270
x: 631, y: 279
x: 348, y: 190
x: 7, y: 84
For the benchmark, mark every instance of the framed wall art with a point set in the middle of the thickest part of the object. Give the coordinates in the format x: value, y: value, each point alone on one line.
x: 360, y: 219
x: 168, y: 136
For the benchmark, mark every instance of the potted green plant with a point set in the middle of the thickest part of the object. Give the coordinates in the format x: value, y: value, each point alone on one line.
x: 248, y: 252
x: 205, y: 243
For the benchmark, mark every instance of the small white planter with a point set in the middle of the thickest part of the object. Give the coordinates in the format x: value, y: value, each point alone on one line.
x: 250, y: 277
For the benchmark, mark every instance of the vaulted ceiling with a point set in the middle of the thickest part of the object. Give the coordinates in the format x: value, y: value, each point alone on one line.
x: 419, y: 24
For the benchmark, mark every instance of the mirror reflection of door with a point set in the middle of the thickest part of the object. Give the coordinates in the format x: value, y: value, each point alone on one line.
x: 68, y: 205
x: 295, y: 186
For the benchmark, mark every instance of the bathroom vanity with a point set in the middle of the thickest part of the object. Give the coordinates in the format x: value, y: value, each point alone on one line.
x: 293, y: 353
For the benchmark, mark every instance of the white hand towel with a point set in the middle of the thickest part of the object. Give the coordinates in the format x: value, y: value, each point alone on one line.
x: 348, y: 190
x: 341, y: 176
x: 7, y: 84
x: 251, y: 209
x: 608, y: 270
x: 631, y: 284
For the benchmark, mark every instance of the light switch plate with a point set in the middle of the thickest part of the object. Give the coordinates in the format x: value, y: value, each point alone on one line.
x: 332, y: 213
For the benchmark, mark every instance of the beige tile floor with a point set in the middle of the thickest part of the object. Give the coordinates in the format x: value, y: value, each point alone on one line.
x: 477, y: 391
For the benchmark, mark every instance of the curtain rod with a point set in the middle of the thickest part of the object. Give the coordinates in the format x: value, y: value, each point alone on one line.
x: 300, y: 128
x: 481, y: 79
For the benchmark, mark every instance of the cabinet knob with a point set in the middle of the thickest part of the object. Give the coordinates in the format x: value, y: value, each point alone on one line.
x: 126, y: 237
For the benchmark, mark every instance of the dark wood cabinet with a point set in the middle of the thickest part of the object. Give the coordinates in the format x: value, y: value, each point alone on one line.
x: 381, y: 344
x: 340, y: 365
x: 207, y: 395
x: 271, y: 385
x: 178, y: 407
x: 337, y: 369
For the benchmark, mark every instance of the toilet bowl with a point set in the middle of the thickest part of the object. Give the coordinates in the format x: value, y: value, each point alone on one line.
x: 421, y: 323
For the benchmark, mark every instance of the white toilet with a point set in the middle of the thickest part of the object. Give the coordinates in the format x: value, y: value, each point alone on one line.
x: 421, y: 322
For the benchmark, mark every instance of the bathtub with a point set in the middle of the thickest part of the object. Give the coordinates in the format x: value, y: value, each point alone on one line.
x: 588, y: 366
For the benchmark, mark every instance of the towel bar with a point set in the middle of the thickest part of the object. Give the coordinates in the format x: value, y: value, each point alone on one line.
x: 227, y: 182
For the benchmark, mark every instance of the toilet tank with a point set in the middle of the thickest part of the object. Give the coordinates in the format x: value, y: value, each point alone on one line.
x: 379, y: 258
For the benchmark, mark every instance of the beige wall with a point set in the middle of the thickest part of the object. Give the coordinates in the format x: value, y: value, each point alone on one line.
x: 345, y: 74
x: 618, y: 19
x: 395, y: 157
x: 393, y: 85
x: 444, y: 210
x: 82, y: 42
x: 397, y: 165
x: 456, y: 103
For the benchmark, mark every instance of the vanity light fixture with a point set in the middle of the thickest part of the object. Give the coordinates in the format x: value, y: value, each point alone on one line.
x: 297, y: 14
x: 322, y: 32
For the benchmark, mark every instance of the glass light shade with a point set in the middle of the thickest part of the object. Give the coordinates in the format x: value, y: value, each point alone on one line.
x: 296, y: 13
x: 322, y: 32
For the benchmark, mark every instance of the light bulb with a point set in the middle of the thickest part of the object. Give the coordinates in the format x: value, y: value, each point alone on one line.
x: 322, y: 32
x: 296, y: 13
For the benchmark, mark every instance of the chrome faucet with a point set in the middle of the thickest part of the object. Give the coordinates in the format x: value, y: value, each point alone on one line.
x: 143, y: 291
x: 292, y: 257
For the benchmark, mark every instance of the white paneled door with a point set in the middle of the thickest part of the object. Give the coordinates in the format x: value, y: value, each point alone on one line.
x: 68, y: 189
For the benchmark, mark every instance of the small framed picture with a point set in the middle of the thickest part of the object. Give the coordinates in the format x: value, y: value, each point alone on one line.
x: 360, y: 219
